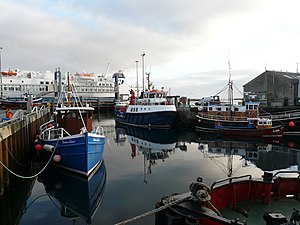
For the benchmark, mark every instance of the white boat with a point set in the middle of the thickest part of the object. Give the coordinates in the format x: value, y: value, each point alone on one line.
x: 16, y: 83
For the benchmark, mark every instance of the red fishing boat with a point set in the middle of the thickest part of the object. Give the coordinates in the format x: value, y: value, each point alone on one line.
x: 271, y: 200
x: 256, y: 127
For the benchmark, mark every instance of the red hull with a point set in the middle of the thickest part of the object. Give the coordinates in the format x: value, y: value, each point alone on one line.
x: 249, y: 132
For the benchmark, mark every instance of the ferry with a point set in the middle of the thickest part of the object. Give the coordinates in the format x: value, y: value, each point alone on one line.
x: 16, y: 83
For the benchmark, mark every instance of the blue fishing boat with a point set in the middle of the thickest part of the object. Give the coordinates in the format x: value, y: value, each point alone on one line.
x: 152, y: 109
x: 70, y: 140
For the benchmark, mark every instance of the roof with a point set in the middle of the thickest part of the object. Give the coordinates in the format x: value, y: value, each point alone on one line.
x: 287, y: 75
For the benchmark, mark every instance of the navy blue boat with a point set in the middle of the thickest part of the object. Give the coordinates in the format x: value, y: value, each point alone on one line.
x: 152, y: 109
x: 19, y: 103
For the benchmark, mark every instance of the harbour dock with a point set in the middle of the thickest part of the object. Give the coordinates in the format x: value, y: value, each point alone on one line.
x: 16, y: 141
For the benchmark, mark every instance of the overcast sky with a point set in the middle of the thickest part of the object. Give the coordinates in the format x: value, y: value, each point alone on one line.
x: 187, y: 43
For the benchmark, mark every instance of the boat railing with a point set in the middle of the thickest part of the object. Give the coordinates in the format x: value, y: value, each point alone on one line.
x: 98, y: 130
x: 287, y: 172
x: 283, y: 116
x: 37, y: 109
x: 224, y: 118
x: 154, y: 102
x: 54, y: 133
x: 19, y: 114
x: 46, y: 125
x: 230, y: 180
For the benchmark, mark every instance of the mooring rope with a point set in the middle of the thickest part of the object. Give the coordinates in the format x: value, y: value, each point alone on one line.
x: 199, y: 191
x: 10, y: 153
x: 35, y: 175
x: 155, y: 210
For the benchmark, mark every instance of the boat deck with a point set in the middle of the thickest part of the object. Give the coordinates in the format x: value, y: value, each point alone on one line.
x: 255, y: 210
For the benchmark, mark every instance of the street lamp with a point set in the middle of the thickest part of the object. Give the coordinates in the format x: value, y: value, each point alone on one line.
x: 143, y: 69
x: 1, y: 72
x: 137, y: 79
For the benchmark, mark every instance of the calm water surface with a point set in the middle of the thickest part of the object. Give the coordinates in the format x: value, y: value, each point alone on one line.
x: 140, y: 167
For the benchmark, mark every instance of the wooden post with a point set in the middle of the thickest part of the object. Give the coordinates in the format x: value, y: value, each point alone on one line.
x: 1, y: 169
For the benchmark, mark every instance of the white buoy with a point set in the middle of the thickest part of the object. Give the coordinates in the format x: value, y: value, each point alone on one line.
x: 48, y: 148
x: 57, y: 158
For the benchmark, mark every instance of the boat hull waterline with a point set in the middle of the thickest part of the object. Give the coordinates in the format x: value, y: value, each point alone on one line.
x: 145, y: 116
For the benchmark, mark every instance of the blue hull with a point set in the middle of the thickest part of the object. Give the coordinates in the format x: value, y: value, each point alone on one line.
x: 152, y: 119
x: 79, y: 153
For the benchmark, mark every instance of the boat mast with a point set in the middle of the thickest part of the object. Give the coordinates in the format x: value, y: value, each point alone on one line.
x: 108, y: 65
x: 148, y: 80
x: 143, y: 69
x: 230, y: 90
x: 68, y: 76
x: 59, y: 86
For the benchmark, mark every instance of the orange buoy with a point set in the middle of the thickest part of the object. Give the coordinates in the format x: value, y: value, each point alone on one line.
x: 291, y: 124
x: 38, y: 147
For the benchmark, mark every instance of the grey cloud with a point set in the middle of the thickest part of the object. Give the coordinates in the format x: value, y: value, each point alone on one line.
x: 86, y: 35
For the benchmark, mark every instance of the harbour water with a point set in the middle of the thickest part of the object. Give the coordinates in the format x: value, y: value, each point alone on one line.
x: 140, y: 167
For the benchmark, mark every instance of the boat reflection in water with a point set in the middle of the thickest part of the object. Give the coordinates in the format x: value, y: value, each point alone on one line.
x: 266, y: 154
x: 78, y: 196
x: 240, y: 199
x: 155, y: 144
